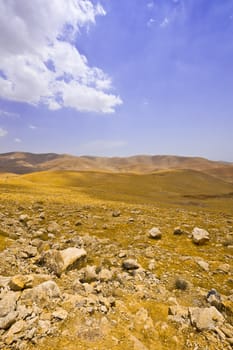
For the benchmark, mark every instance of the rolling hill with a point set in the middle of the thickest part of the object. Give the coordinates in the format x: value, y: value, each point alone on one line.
x: 23, y: 163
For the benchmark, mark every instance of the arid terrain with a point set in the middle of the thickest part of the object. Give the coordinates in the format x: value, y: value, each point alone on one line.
x: 126, y: 253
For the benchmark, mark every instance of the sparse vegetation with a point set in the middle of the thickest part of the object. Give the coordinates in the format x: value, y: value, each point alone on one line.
x: 181, y: 284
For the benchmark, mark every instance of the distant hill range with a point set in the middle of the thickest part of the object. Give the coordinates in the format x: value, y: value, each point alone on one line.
x: 23, y: 163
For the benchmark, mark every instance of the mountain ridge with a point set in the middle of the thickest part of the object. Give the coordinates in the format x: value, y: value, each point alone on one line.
x: 26, y: 162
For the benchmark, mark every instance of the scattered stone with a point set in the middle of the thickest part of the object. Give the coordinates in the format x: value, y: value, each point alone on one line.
x: 224, y: 268
x: 178, y: 313
x: 105, y: 275
x: 53, y: 227
x: 89, y: 274
x: 8, y: 320
x: 178, y: 231
x: 130, y: 264
x: 155, y: 233
x: 20, y: 282
x: 214, y: 298
x: 203, y: 264
x: 60, y: 314
x: 116, y: 213
x: 122, y: 254
x: 8, y: 303
x: 24, y: 218
x: 205, y: 318
x: 42, y: 293
x: 29, y: 252
x: 200, y: 236
x: 60, y: 261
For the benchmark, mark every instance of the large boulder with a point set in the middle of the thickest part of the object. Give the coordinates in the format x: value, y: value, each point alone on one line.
x: 200, y: 236
x: 59, y: 261
x: 205, y: 318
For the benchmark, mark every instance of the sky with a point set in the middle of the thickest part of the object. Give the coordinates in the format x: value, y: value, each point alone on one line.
x: 117, y: 77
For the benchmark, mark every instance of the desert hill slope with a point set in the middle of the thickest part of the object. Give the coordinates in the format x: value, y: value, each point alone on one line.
x: 23, y: 163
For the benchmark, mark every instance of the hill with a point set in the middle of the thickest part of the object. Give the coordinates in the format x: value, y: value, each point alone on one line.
x: 23, y: 163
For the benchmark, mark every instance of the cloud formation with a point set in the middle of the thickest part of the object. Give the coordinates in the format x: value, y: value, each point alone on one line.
x: 39, y: 61
x: 7, y: 114
x: 3, y: 132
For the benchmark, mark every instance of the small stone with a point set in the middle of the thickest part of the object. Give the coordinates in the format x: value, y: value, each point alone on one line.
x: 20, y: 282
x: 24, y: 218
x: 155, y: 233
x: 116, y: 213
x: 122, y: 255
x: 178, y: 231
x: 130, y: 264
x: 203, y: 264
x: 105, y: 275
x: 214, y: 298
x: 60, y: 314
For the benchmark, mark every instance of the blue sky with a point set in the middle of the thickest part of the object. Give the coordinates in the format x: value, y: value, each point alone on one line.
x: 117, y: 77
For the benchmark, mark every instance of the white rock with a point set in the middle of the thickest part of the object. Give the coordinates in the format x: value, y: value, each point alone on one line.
x: 155, y: 233
x: 200, y: 236
x: 205, y: 318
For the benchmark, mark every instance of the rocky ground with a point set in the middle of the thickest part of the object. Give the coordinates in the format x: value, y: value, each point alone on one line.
x: 113, y: 276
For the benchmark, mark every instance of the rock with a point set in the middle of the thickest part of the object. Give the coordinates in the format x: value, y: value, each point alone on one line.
x: 137, y: 344
x: 214, y: 298
x: 105, y: 275
x: 89, y: 274
x: 8, y: 303
x: 4, y: 281
x: 205, y: 318
x: 200, y: 236
x: 8, y: 320
x: 203, y: 264
x: 116, y: 213
x: 178, y: 313
x: 29, y: 252
x: 20, y: 282
x: 59, y: 261
x: 60, y: 314
x: 70, y: 256
x: 24, y: 218
x: 42, y: 293
x: 155, y: 233
x: 53, y: 227
x: 17, y: 328
x: 122, y: 254
x: 178, y: 231
x: 130, y: 264
x: 224, y: 268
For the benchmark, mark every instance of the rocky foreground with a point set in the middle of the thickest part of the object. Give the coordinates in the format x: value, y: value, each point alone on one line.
x: 104, y: 277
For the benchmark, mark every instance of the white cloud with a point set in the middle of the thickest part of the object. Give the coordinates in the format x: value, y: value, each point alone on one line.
x: 8, y: 114
x: 3, y: 132
x: 150, y: 22
x: 32, y: 127
x: 17, y: 140
x: 150, y: 5
x: 165, y: 22
x: 40, y: 62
